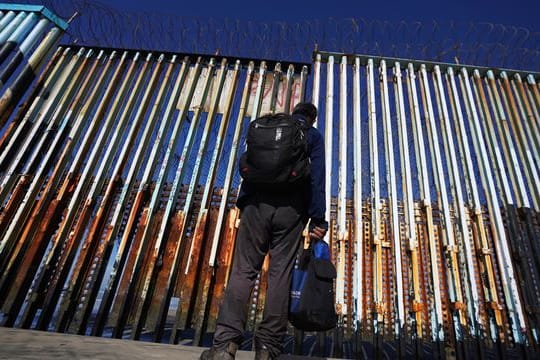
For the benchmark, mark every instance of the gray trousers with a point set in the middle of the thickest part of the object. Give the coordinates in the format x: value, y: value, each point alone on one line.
x: 269, y: 224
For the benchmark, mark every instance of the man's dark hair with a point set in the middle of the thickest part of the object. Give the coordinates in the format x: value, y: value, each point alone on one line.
x: 306, y: 109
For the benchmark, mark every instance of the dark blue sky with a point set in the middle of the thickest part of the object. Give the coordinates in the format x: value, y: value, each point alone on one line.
x: 524, y: 13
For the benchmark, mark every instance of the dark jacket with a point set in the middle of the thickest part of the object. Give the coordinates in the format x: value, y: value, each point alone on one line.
x: 314, y: 193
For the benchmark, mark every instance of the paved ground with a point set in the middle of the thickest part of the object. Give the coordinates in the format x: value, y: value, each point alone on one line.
x: 31, y: 344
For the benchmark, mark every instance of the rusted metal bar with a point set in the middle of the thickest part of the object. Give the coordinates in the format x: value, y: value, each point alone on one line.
x: 110, y: 231
x: 23, y: 50
x: 358, y: 289
x: 201, y: 309
x: 65, y: 235
x: 113, y: 227
x: 521, y: 130
x: 47, y: 226
x: 223, y: 237
x: 478, y: 326
x: 34, y: 230
x: 463, y: 239
x: 513, y: 301
x: 231, y: 162
x: 185, y: 214
x: 342, y: 192
x: 52, y: 115
x: 376, y: 241
x: 408, y: 201
x: 393, y: 234
x: 28, y: 185
x: 289, y: 88
x: 437, y: 332
x: 156, y: 108
x: 196, y: 267
x: 14, y: 93
x: 276, y: 81
x: 448, y: 241
x: 86, y: 253
x: 534, y: 97
x: 141, y: 111
x: 506, y: 195
x: 25, y: 123
x: 328, y: 133
x: 529, y: 113
x: 502, y: 124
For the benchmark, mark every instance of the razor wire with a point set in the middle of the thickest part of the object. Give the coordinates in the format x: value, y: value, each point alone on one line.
x: 474, y: 43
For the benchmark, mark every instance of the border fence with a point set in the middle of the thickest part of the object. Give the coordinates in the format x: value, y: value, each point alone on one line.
x: 118, y: 184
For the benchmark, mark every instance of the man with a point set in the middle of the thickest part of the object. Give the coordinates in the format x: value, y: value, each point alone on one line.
x: 271, y: 222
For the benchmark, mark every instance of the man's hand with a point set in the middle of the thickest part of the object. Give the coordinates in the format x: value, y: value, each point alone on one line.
x: 317, y: 232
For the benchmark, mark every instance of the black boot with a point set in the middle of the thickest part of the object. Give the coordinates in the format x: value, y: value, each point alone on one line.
x: 225, y: 354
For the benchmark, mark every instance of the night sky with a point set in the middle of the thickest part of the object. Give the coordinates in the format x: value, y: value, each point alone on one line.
x: 523, y: 13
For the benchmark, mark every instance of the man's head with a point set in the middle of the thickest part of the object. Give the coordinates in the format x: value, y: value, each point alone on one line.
x: 306, y: 109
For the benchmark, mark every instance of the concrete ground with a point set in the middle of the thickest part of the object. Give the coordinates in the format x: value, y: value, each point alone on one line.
x: 42, y: 345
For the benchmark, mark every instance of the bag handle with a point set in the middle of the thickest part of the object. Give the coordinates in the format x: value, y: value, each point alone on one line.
x: 307, y: 237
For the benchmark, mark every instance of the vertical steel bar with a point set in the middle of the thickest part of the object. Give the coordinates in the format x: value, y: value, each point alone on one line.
x: 196, y: 266
x: 501, y: 122
x: 289, y: 89
x: 534, y: 97
x: 529, y: 114
x: 110, y: 231
x: 67, y: 308
x: 185, y: 213
x: 147, y: 97
x: 17, y: 129
x: 26, y: 120
x: 408, y: 200
x: 303, y: 80
x: 342, y: 192
x: 14, y: 227
x: 14, y: 93
x: 65, y: 235
x: 276, y: 82
x: 41, y: 287
x: 34, y: 230
x: 16, y: 37
x: 375, y: 201
x: 113, y: 227
x: 394, y: 232
x: 6, y: 19
x: 231, y: 163
x: 259, y: 92
x: 328, y: 134
x: 520, y: 135
x: 513, y: 301
x: 219, y: 269
x: 462, y: 233
x: 51, y: 113
x: 316, y: 84
x: 11, y: 27
x: 495, y: 155
x: 450, y: 247
x: 23, y: 51
x: 421, y: 163
x: 357, y: 190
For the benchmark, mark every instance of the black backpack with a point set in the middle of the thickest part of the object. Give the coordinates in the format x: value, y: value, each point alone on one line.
x: 277, y: 152
x: 312, y: 302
